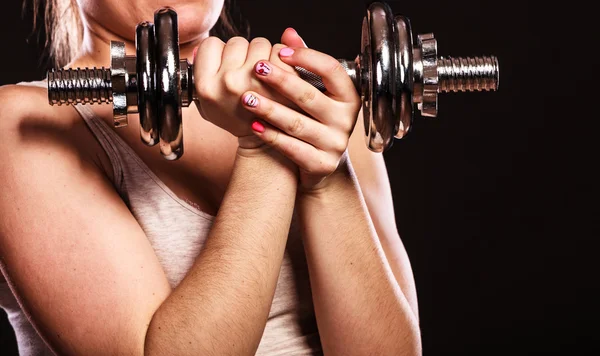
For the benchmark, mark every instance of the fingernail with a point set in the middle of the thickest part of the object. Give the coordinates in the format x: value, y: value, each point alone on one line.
x: 286, y: 52
x: 292, y: 29
x: 251, y: 101
x: 262, y: 68
x: 194, y: 55
x: 258, y: 127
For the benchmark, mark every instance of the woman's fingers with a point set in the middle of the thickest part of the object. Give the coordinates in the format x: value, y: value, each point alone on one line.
x: 274, y: 58
x: 305, y: 96
x: 301, y: 153
x: 291, y: 123
x: 209, y: 54
x: 207, y: 61
x: 336, y: 79
x: 291, y: 38
x: 234, y: 54
x: 259, y: 49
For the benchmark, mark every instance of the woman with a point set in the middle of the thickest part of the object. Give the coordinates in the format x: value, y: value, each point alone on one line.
x: 273, y: 234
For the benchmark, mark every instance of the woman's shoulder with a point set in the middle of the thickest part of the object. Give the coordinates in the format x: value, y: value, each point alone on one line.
x: 23, y: 103
x: 27, y: 120
x: 16, y: 100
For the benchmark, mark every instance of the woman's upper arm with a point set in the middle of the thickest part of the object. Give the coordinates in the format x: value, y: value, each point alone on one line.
x: 75, y: 256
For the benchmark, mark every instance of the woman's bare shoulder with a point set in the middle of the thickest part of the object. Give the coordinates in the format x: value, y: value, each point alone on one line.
x: 22, y: 103
x: 27, y: 119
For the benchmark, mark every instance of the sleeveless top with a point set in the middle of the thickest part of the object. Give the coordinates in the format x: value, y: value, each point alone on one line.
x: 177, y: 230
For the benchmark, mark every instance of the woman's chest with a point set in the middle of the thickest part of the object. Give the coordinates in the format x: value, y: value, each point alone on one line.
x: 201, y: 176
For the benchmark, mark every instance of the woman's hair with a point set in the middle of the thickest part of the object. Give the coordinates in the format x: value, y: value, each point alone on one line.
x: 64, y: 30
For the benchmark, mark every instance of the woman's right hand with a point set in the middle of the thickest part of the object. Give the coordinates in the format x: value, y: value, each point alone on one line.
x: 223, y: 72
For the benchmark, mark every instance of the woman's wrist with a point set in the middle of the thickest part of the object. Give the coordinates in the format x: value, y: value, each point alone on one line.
x: 263, y: 156
x: 343, y: 178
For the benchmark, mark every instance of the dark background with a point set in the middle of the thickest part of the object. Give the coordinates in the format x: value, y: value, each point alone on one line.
x: 494, y: 198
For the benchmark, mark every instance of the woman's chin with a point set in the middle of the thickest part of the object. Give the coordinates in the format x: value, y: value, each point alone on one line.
x: 194, y: 22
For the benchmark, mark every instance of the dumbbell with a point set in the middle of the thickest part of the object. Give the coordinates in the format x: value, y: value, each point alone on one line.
x: 392, y: 74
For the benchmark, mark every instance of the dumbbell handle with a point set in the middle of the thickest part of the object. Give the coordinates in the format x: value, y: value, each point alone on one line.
x: 91, y: 86
x: 317, y: 81
x: 94, y: 86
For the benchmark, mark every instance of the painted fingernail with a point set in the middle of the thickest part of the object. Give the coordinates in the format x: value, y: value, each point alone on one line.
x: 286, y: 52
x: 251, y: 101
x: 262, y: 68
x: 258, y: 127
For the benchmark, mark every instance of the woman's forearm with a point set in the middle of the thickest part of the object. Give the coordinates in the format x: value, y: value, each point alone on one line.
x: 222, y: 305
x: 359, y: 305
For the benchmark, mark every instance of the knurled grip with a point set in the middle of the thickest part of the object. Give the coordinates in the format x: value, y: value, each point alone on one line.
x: 317, y: 82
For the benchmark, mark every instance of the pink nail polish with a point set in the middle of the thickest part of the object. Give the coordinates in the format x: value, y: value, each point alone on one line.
x: 258, y: 127
x: 262, y: 68
x: 251, y: 101
x: 286, y: 52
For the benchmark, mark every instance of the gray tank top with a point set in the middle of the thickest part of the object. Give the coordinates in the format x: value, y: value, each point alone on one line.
x: 177, y: 231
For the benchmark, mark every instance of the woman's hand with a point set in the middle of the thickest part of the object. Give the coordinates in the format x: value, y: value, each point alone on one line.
x: 223, y: 72
x: 315, y: 139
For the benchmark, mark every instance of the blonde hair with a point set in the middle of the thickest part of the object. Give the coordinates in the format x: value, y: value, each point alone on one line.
x: 64, y: 30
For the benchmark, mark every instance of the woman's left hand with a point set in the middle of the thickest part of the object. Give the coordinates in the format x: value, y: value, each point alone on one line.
x: 316, y: 139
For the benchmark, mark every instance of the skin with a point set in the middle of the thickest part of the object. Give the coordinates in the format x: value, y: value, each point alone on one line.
x: 108, y: 292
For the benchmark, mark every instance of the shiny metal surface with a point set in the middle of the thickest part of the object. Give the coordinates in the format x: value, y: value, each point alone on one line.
x: 433, y: 75
x: 79, y: 86
x: 168, y: 84
x: 187, y: 82
x: 403, y: 78
x: 468, y: 74
x: 428, y: 98
x: 366, y: 78
x: 146, y: 76
x: 131, y: 84
x: 118, y: 77
x: 378, y: 42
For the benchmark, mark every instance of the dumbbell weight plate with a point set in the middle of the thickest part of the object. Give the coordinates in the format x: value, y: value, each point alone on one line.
x: 168, y: 84
x: 403, y: 81
x: 377, y: 70
x: 146, y: 69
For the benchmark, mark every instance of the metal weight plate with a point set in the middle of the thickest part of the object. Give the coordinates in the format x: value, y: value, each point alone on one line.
x: 146, y: 69
x: 403, y: 69
x: 168, y: 83
x: 378, y: 60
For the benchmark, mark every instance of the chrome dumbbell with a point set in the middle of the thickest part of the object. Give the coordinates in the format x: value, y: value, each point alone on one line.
x: 392, y: 74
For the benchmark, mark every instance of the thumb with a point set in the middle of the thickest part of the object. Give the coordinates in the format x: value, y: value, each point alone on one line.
x: 291, y: 38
